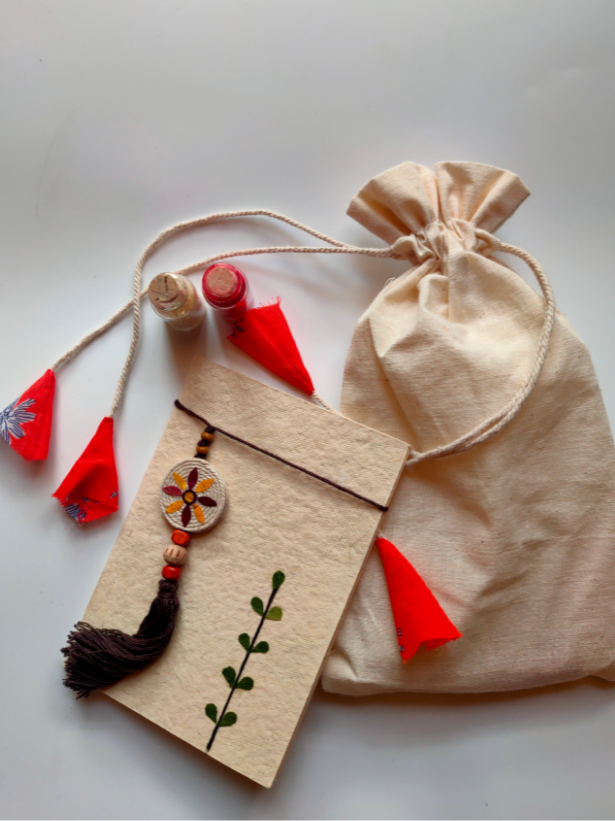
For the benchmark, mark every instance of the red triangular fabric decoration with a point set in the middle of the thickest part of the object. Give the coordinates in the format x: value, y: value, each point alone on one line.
x: 263, y: 333
x: 90, y: 490
x: 26, y: 424
x: 419, y: 619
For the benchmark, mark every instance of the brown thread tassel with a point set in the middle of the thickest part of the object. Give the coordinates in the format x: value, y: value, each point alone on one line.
x: 97, y: 657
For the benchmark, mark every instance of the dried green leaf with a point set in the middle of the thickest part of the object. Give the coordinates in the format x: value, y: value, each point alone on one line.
x: 257, y: 605
x: 275, y: 614
x: 246, y: 683
x: 230, y: 675
x: 211, y: 711
x: 278, y: 579
x: 228, y: 719
x: 261, y: 647
x: 244, y: 640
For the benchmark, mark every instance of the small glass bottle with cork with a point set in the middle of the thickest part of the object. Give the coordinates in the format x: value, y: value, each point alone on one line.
x: 174, y: 298
x: 225, y: 288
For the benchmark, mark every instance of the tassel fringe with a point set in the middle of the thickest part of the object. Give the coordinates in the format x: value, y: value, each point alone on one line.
x: 98, y: 657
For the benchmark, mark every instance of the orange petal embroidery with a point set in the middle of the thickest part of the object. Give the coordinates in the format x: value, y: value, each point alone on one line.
x: 175, y: 506
x: 204, y: 485
x: 198, y: 512
x: 180, y: 481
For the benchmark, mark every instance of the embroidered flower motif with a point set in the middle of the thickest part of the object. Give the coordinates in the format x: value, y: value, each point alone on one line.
x: 13, y: 417
x: 189, y: 490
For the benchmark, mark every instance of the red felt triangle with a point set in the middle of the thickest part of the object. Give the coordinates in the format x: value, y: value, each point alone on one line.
x: 263, y: 333
x: 419, y: 619
x: 26, y: 424
x: 90, y: 490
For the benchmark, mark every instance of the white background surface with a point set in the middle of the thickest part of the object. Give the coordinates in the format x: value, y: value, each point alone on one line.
x: 123, y: 116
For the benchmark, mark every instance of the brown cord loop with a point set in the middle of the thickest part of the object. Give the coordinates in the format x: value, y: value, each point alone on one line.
x: 213, y: 428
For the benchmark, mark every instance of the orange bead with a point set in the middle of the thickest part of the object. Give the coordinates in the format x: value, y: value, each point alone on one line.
x: 171, y: 573
x: 181, y: 538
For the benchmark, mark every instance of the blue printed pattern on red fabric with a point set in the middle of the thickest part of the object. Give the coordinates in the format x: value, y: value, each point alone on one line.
x: 13, y: 417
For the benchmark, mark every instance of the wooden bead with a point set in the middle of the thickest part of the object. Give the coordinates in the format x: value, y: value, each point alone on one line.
x: 181, y: 538
x: 175, y: 555
x: 171, y: 573
x: 208, y: 437
x: 202, y: 449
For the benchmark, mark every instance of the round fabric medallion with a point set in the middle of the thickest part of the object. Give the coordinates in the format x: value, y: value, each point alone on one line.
x: 193, y: 496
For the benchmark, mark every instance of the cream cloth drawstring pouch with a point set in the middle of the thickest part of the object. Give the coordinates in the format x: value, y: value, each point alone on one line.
x: 510, y: 522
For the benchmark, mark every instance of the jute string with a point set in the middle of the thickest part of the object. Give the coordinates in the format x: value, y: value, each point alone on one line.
x: 481, y: 433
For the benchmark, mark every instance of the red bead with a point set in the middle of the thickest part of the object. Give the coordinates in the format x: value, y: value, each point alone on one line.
x: 181, y: 538
x: 171, y: 573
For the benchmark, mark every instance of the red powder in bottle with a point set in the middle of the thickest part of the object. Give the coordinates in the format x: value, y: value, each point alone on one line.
x: 225, y: 288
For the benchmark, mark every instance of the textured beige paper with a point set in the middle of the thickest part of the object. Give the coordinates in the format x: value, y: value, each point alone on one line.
x: 277, y: 519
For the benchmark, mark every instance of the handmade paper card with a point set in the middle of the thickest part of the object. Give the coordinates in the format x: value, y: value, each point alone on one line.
x: 263, y: 592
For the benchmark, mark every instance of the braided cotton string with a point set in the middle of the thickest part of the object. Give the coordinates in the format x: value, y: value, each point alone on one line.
x: 94, y: 335
x: 481, y: 433
x: 495, y: 423
x: 135, y: 303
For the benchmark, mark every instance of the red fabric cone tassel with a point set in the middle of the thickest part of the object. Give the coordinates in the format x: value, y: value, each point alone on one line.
x: 26, y: 424
x: 90, y: 490
x: 419, y: 619
x: 263, y: 333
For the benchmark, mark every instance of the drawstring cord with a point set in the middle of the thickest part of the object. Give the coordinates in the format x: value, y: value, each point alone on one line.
x: 138, y: 293
x: 214, y: 428
x: 481, y: 433
x: 495, y: 423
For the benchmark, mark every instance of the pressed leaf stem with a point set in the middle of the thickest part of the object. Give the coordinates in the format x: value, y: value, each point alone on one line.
x: 241, y: 669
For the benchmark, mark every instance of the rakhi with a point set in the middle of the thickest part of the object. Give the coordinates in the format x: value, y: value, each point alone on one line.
x: 193, y: 498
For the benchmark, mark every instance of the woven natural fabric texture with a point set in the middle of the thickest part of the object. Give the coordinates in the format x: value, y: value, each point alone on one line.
x: 516, y: 536
x: 277, y: 519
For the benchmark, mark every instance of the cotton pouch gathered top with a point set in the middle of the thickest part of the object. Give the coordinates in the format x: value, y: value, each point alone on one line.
x: 516, y: 535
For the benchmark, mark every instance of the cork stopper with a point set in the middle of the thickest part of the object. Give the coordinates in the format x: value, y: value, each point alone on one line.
x: 167, y: 292
x: 221, y: 282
